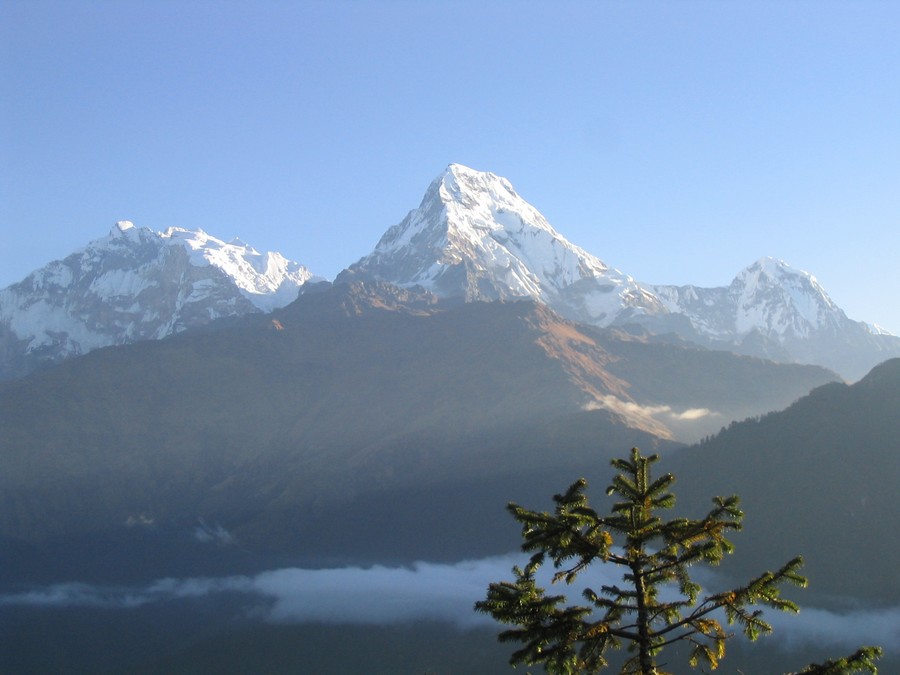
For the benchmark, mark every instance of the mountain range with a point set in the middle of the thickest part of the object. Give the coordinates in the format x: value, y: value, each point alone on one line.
x: 472, y: 238
x: 174, y: 407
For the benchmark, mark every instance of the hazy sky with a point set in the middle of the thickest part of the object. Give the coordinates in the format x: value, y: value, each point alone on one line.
x: 678, y: 142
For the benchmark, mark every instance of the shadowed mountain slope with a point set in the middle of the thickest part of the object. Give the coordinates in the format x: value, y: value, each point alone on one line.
x: 818, y: 479
x: 264, y: 423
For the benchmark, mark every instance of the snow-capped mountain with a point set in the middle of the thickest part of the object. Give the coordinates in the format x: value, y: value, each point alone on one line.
x: 473, y: 237
x: 769, y: 297
x: 773, y: 310
x: 136, y: 284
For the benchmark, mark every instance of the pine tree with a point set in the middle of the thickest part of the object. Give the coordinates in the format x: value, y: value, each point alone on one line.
x: 653, y: 554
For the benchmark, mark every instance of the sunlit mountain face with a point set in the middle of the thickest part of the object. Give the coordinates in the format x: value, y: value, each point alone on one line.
x: 137, y: 284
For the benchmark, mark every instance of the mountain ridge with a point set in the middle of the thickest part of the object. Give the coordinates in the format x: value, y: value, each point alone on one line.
x: 472, y: 238
x: 773, y: 310
x: 136, y: 284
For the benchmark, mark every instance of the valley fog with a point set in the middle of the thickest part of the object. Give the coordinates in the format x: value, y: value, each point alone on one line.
x: 180, y: 623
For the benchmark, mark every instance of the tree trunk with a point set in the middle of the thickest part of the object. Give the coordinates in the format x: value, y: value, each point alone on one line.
x: 645, y: 658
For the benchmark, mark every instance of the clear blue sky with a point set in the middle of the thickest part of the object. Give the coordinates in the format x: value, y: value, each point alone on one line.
x: 677, y: 141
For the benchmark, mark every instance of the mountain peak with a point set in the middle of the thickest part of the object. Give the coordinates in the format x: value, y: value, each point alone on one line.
x: 122, y: 231
x: 790, y: 298
x: 771, y: 268
x: 458, y: 180
x: 768, y: 297
x: 136, y: 284
x: 474, y: 237
x: 769, y: 264
x: 479, y: 203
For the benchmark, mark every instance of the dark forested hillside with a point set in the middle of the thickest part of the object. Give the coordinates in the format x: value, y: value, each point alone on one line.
x: 818, y: 479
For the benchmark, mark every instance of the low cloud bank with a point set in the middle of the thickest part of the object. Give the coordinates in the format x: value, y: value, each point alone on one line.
x: 358, y: 595
x: 383, y: 594
x: 687, y: 425
x: 660, y: 412
x: 380, y: 595
x: 844, y: 629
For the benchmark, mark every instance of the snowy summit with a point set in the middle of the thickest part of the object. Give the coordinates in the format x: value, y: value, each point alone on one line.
x: 474, y: 237
x: 137, y: 284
